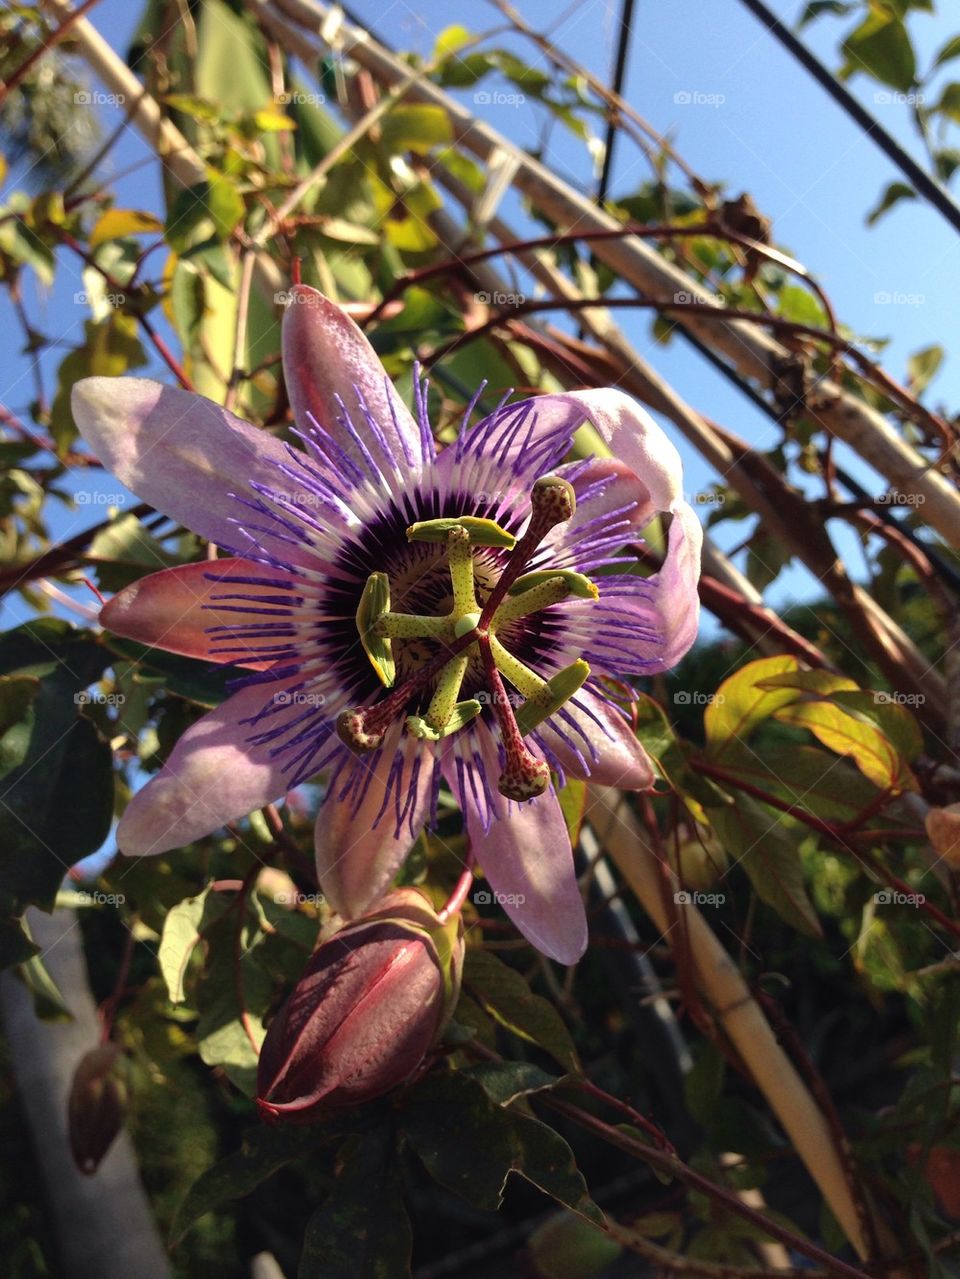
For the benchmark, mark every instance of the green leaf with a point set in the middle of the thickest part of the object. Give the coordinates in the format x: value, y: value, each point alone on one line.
x: 922, y: 367
x: 548, y: 1162
x: 233, y: 997
x: 818, y: 7
x: 949, y: 104
x: 865, y: 743
x: 766, y: 843
x: 181, y: 933
x: 264, y: 1152
x: 504, y: 994
x: 117, y: 223
x: 470, y: 1145
x: 881, y: 47
x: 450, y: 40
x: 123, y: 551
x: 809, y: 778
x: 739, y: 705
x: 505, y: 1081
x: 344, y: 1238
x: 573, y: 802
x: 893, y: 194
x: 416, y: 128
x: 766, y: 557
x: 58, y: 776
x: 948, y: 52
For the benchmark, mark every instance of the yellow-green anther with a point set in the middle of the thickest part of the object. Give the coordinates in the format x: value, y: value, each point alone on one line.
x: 577, y: 583
x: 461, y: 715
x: 374, y: 604
x: 464, y: 625
x: 562, y: 687
x: 482, y: 532
x: 523, y: 679
x: 460, y: 560
x: 447, y: 691
x: 412, y: 626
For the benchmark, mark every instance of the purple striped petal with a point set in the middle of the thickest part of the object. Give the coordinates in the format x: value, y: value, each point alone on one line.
x: 187, y: 457
x: 526, y: 858
x: 590, y: 739
x: 213, y: 776
x: 341, y: 395
x: 372, y: 814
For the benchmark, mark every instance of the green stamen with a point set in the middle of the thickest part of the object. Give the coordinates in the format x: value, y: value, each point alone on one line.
x: 523, y: 679
x: 482, y: 532
x: 560, y: 688
x: 374, y: 605
x: 447, y: 691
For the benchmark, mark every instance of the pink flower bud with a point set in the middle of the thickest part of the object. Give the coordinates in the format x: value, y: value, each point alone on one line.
x: 367, y: 1010
x: 96, y: 1105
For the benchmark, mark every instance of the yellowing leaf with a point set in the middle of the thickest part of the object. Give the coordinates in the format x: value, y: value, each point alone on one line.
x: 872, y: 752
x: 740, y: 704
x: 117, y: 223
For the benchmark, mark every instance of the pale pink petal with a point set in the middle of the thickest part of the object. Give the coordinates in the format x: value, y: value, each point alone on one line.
x: 186, y: 456
x: 589, y: 738
x: 325, y: 356
x: 176, y: 608
x: 527, y: 860
x: 361, y: 846
x: 213, y: 776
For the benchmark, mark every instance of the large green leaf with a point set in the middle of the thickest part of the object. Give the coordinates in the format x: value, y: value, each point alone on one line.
x: 362, y: 1227
x: 504, y: 994
x: 739, y: 704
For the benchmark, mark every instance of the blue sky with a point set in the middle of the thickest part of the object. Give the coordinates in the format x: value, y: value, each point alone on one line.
x: 757, y: 123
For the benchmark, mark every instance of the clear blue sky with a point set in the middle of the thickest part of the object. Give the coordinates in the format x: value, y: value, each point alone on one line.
x: 771, y: 131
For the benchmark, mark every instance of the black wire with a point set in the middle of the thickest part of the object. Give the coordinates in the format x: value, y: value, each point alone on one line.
x: 623, y: 48
x: 926, y: 185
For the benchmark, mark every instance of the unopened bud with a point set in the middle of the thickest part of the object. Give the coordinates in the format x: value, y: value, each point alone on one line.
x: 369, y: 1007
x: 96, y: 1105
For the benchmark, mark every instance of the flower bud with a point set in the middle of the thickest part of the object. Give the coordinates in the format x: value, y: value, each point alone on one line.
x: 371, y: 1004
x: 96, y: 1105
